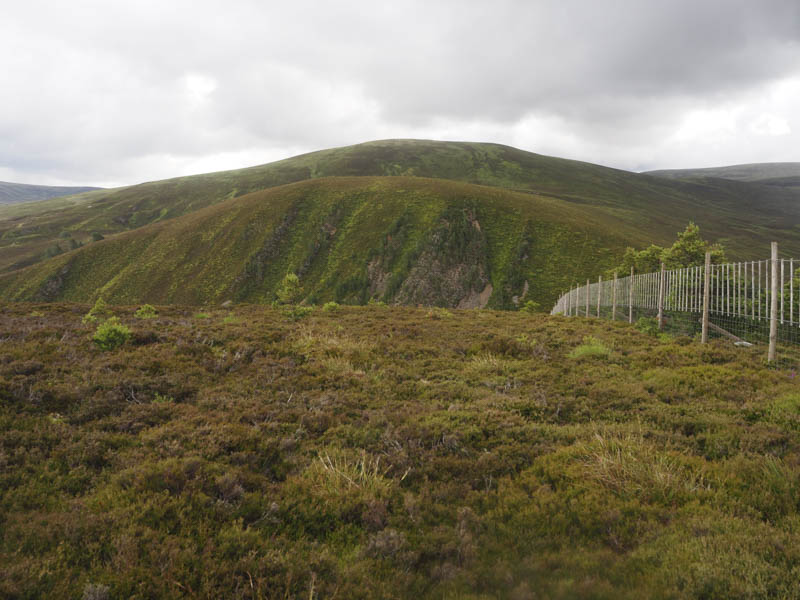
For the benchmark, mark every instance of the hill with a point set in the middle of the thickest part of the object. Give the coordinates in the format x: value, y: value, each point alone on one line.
x: 377, y: 452
x: 745, y: 216
x: 746, y: 172
x: 408, y: 240
x: 14, y: 193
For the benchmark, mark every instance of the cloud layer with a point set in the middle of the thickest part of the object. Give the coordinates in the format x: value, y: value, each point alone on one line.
x: 103, y: 92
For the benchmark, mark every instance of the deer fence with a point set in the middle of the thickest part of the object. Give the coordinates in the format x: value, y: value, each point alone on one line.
x: 751, y: 302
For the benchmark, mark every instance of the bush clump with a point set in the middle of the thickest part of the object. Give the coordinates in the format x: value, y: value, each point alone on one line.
x: 111, y: 334
x: 146, y: 311
x: 330, y: 306
x: 648, y: 325
x: 295, y: 313
x: 290, y: 290
x: 531, y: 307
x: 591, y: 348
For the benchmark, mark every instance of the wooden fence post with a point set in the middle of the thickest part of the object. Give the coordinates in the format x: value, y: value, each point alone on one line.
x: 661, y: 298
x: 599, y: 293
x: 614, y: 299
x: 587, y: 297
x: 773, y: 308
x: 630, y: 299
x: 706, y: 298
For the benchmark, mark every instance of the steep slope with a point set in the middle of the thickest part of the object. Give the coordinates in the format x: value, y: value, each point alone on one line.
x: 657, y: 205
x: 408, y: 240
x: 14, y: 193
x: 746, y: 172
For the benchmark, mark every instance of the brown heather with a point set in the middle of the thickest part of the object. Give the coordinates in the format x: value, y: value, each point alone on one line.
x: 377, y: 452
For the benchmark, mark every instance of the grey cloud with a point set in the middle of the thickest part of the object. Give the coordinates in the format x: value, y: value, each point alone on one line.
x: 103, y: 90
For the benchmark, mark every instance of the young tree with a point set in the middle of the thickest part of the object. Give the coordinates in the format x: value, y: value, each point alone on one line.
x: 689, y: 250
x: 290, y: 290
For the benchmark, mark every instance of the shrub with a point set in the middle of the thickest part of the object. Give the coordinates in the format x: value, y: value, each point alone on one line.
x: 531, y: 307
x: 111, y: 334
x: 202, y: 315
x: 330, y: 306
x: 591, y: 348
x: 295, y: 313
x: 648, y: 325
x: 290, y: 289
x: 99, y: 310
x: 146, y: 311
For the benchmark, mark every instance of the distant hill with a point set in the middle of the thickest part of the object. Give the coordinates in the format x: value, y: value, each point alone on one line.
x: 744, y: 215
x: 748, y: 172
x: 407, y: 240
x: 368, y: 222
x: 14, y: 193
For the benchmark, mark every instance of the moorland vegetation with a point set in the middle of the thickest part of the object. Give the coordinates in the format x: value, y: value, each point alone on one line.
x: 365, y: 452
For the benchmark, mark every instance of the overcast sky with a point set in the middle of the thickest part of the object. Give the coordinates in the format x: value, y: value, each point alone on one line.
x: 108, y: 92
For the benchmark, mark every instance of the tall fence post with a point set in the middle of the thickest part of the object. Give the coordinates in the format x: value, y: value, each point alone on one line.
x: 661, y: 298
x: 706, y: 298
x: 587, y: 297
x: 614, y: 299
x: 599, y: 293
x: 630, y: 299
x: 773, y: 308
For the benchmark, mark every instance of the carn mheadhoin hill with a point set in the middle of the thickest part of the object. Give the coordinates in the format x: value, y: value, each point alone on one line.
x: 407, y: 240
x: 406, y: 221
x: 744, y: 215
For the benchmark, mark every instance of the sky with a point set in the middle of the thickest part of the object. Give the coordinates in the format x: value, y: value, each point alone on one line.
x: 113, y: 93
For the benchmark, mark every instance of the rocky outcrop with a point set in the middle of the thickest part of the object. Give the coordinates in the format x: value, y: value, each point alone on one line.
x: 452, y: 269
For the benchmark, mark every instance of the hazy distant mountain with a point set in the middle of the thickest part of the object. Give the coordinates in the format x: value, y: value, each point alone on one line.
x: 751, y: 172
x: 14, y: 193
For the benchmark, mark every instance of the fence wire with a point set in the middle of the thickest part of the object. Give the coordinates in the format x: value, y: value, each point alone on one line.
x: 739, y: 299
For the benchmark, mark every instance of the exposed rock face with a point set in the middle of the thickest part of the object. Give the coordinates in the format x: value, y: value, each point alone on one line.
x: 378, y: 278
x: 477, y: 300
x: 517, y: 299
x: 452, y: 269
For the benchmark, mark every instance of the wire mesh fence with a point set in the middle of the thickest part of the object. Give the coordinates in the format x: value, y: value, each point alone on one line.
x: 744, y: 299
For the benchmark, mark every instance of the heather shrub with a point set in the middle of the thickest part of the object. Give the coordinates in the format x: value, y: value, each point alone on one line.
x: 295, y: 313
x: 648, y: 325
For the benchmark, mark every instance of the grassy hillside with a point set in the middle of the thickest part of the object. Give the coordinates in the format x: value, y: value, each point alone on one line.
x: 15, y: 193
x: 748, y: 172
x: 380, y: 452
x: 398, y: 239
x: 659, y: 206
